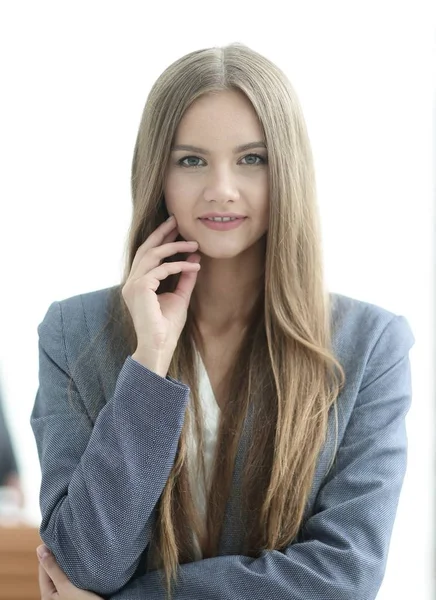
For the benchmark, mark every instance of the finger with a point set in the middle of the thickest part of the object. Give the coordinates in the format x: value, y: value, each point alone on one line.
x: 171, y: 237
x: 187, y: 281
x: 154, y: 257
x: 155, y: 276
x: 157, y: 236
x: 46, y: 585
x: 144, y: 248
x: 51, y: 567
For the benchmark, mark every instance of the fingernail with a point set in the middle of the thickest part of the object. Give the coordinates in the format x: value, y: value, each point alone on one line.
x: 170, y: 217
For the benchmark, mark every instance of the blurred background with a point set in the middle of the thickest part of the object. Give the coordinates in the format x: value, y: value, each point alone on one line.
x: 74, y: 81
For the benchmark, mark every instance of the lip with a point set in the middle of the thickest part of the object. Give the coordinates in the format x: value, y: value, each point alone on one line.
x: 217, y: 214
x: 222, y: 225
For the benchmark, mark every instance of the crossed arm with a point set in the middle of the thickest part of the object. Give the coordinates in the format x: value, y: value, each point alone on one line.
x: 346, y: 542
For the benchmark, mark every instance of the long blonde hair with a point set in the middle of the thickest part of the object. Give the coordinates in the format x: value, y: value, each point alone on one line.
x: 286, y: 370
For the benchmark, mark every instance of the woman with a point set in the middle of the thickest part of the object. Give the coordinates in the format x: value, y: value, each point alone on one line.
x: 231, y: 430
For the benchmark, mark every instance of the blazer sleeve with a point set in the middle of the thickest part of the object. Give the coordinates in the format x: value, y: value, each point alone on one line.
x: 344, y: 552
x: 101, y: 483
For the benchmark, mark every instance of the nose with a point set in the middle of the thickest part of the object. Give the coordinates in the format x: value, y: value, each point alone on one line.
x: 221, y: 186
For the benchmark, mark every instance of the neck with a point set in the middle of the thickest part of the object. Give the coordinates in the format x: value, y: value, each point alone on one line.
x: 226, y: 292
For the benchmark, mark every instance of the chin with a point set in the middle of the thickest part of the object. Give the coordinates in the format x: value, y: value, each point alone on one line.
x: 220, y: 255
x: 221, y: 251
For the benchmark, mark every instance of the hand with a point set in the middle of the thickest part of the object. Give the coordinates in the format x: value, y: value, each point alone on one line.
x: 159, y: 318
x: 54, y: 584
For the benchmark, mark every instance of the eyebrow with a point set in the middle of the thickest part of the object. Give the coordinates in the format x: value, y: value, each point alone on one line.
x: 241, y: 148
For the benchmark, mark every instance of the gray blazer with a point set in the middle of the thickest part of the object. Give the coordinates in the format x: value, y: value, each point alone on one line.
x: 102, y: 478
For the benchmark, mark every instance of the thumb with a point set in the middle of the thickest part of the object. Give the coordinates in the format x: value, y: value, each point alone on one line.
x: 50, y: 566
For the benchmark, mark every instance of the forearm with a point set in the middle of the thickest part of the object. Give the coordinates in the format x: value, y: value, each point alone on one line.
x: 305, y: 572
x: 107, y: 504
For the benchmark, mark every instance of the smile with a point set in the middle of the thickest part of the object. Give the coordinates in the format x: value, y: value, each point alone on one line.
x: 222, y: 223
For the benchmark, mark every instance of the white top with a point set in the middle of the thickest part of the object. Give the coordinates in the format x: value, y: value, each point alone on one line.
x: 211, y: 416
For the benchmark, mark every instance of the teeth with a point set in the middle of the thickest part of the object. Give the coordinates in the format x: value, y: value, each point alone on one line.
x: 221, y: 219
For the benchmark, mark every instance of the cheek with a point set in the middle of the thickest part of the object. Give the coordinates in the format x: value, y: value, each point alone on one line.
x: 262, y: 202
x: 177, y: 201
x: 177, y: 193
x: 265, y: 215
x: 172, y: 202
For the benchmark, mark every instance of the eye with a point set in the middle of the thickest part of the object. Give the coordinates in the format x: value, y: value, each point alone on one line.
x: 182, y: 163
x: 255, y: 156
x: 192, y: 161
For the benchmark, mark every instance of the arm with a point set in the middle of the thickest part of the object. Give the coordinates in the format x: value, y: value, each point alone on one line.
x: 101, y: 483
x: 344, y: 552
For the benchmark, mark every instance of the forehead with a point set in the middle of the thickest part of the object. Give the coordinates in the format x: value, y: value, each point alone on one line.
x: 215, y: 115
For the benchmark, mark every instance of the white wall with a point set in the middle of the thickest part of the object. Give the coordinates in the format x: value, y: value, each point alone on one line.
x: 75, y: 78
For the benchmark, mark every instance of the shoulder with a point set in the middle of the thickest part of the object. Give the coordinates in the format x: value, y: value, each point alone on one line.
x: 357, y: 324
x: 70, y: 324
x: 367, y: 338
x: 73, y: 334
x: 81, y: 311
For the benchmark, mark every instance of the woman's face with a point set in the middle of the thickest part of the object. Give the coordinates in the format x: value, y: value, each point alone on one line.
x: 214, y: 175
